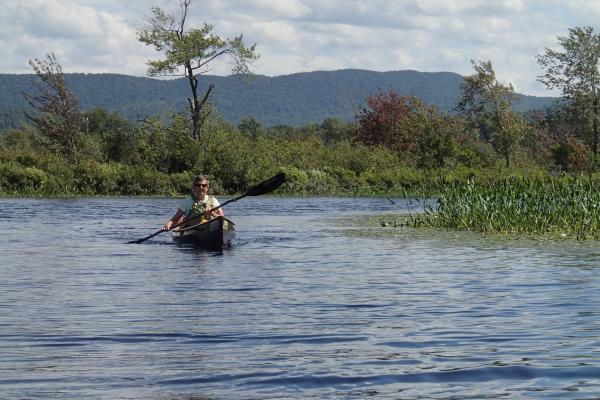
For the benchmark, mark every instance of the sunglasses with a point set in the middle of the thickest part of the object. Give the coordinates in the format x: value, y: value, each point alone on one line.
x: 201, y: 185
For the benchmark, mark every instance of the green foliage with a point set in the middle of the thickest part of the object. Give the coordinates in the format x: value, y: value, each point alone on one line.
x: 510, y: 131
x: 400, y: 145
x: 107, y: 135
x: 159, y: 158
x: 487, y: 104
x: 559, y: 207
x: 199, y: 47
x: 57, y: 110
x: 435, y: 136
x: 26, y: 180
x: 333, y: 130
x: 576, y: 72
x: 250, y: 127
x: 229, y: 157
x: 482, y: 95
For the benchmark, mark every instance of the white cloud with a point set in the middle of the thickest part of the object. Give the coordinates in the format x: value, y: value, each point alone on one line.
x: 587, y: 11
x: 83, y: 38
x: 450, y: 56
x: 277, y: 33
x: 282, y: 8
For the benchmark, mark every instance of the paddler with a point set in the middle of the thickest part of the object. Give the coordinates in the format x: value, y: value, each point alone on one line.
x: 196, y: 208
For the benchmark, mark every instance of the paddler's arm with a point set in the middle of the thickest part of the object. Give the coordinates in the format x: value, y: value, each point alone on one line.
x: 174, y: 220
x: 214, y: 214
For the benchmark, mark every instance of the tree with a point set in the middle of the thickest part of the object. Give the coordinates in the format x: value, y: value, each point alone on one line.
x: 333, y: 131
x: 553, y: 138
x: 193, y: 50
x: 280, y: 132
x: 435, y: 136
x: 114, y: 132
x: 487, y: 103
x: 415, y: 131
x: 575, y: 71
x: 570, y: 155
x: 250, y: 127
x: 509, y: 134
x: 378, y: 122
x: 58, y: 112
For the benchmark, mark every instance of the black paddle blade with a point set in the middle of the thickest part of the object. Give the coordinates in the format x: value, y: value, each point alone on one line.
x: 267, y: 186
x: 138, y: 241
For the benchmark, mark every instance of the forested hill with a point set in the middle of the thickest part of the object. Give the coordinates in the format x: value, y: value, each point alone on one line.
x: 295, y: 100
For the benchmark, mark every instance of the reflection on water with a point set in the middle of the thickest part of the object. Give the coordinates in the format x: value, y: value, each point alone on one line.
x: 316, y: 299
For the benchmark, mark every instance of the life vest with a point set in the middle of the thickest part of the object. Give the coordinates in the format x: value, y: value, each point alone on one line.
x: 197, y: 209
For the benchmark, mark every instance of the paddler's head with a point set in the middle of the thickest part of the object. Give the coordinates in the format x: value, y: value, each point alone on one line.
x: 200, y: 186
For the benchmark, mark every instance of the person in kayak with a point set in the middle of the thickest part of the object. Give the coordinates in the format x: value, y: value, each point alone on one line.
x: 198, y: 204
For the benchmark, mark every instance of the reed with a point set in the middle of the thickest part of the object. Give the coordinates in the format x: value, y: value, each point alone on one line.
x: 561, y: 207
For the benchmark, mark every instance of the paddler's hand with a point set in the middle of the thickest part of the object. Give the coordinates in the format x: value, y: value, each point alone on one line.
x: 168, y: 225
x: 209, y: 214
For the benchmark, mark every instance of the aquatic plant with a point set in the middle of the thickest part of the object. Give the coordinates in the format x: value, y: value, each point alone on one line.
x: 561, y: 207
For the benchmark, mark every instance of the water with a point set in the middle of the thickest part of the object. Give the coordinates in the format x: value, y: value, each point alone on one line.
x: 315, y: 300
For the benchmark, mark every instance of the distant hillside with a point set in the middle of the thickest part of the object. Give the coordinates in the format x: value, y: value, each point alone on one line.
x: 296, y: 99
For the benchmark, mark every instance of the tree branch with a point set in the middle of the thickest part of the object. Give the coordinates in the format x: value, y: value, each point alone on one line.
x: 208, y: 60
x: 206, y: 95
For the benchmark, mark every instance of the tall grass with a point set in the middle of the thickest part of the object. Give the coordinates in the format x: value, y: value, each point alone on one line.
x: 561, y: 207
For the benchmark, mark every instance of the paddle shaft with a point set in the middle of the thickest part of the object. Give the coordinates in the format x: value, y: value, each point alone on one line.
x: 227, y: 202
x: 262, y: 188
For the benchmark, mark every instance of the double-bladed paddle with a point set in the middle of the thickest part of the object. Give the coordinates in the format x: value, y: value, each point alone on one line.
x: 262, y: 188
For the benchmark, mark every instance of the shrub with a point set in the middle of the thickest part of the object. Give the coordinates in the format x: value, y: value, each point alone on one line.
x: 17, y: 179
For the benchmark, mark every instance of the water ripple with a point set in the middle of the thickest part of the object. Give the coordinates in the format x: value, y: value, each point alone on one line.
x: 484, y: 374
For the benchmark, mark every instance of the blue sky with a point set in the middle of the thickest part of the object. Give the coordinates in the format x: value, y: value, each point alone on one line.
x: 304, y: 35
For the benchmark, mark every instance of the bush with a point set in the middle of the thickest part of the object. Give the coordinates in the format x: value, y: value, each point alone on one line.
x: 180, y: 184
x: 25, y: 180
x: 296, y: 180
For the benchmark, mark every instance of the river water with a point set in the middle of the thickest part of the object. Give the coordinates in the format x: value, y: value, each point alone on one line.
x: 315, y: 300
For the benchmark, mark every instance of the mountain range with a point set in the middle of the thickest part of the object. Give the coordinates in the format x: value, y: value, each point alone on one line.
x: 295, y: 100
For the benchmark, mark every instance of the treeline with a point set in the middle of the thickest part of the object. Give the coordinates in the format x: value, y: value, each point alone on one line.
x: 158, y: 157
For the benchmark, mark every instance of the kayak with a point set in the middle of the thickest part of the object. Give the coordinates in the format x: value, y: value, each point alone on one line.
x: 215, y: 234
